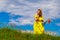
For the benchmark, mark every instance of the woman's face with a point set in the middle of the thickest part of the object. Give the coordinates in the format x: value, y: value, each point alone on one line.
x: 38, y: 11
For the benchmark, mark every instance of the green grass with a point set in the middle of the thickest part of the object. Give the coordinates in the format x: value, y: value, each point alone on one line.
x: 8, y: 34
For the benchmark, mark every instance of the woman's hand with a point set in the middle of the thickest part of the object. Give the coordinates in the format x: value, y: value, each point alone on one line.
x: 49, y: 21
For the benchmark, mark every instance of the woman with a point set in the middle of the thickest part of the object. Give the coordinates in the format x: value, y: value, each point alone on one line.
x: 38, y: 23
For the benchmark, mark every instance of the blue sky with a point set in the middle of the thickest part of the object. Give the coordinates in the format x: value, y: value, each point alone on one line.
x: 21, y: 13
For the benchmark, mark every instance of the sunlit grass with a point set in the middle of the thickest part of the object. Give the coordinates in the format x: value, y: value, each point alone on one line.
x: 9, y: 34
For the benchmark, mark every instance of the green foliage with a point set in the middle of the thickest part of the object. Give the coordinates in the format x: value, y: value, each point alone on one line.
x: 9, y: 34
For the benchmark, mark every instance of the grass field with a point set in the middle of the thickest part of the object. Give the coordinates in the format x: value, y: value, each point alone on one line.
x: 8, y: 34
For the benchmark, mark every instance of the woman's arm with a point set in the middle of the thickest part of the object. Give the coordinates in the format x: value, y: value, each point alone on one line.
x: 36, y: 18
x: 46, y: 21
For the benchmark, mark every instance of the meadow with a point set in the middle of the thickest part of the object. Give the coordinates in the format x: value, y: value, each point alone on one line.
x: 9, y: 34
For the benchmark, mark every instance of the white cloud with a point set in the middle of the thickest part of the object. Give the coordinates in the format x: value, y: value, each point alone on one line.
x: 2, y: 4
x: 51, y: 33
x: 20, y: 21
x: 13, y: 23
x: 27, y: 9
x: 58, y: 24
x: 25, y: 21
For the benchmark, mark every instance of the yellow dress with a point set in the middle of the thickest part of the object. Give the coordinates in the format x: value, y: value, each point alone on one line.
x: 38, y: 26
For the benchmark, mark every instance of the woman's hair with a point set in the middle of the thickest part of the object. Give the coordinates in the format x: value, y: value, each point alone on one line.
x: 40, y: 13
